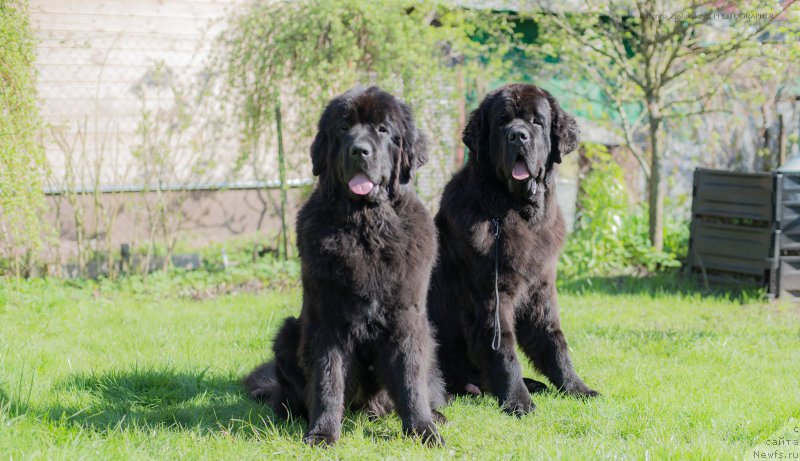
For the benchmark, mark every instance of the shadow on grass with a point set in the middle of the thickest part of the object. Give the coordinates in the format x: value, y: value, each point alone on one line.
x: 675, y: 282
x: 164, y: 399
x: 6, y: 406
x: 169, y: 400
x: 13, y: 406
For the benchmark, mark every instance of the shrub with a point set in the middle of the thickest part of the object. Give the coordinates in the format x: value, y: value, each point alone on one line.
x: 289, y: 57
x: 21, y: 153
x: 611, y: 235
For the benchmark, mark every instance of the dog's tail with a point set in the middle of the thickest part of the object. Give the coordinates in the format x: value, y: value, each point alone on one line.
x: 261, y: 383
x: 279, y: 383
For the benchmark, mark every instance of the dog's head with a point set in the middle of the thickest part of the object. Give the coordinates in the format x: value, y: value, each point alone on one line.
x: 521, y: 131
x: 367, y: 145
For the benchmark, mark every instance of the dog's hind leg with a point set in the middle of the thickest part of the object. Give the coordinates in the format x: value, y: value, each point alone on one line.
x: 261, y: 383
x: 281, y: 382
x: 379, y: 405
x: 533, y: 386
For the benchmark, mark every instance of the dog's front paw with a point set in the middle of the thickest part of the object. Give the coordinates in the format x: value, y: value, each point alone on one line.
x: 588, y: 393
x: 519, y: 406
x: 518, y: 402
x: 581, y: 390
x: 319, y: 439
x: 438, y: 417
x: 428, y: 434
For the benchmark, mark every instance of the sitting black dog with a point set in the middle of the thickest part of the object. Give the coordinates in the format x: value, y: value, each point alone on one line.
x: 500, y: 234
x: 367, y: 246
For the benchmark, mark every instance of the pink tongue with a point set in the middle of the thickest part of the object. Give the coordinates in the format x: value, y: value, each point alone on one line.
x: 360, y: 184
x: 520, y: 171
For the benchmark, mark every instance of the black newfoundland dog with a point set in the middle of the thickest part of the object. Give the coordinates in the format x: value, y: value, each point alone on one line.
x: 367, y: 247
x: 500, y: 234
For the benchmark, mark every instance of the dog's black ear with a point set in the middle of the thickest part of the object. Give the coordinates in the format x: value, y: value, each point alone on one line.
x: 319, y: 153
x: 563, y: 131
x: 413, y: 147
x: 321, y: 147
x: 471, y: 136
x: 477, y: 130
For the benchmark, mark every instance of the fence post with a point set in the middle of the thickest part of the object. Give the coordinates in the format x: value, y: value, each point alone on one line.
x: 282, y: 179
x: 124, y: 258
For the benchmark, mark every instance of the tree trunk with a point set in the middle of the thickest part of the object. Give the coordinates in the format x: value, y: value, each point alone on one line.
x: 656, y: 192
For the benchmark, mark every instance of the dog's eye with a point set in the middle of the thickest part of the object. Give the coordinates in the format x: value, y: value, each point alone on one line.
x: 344, y: 127
x: 536, y: 121
x: 383, y: 129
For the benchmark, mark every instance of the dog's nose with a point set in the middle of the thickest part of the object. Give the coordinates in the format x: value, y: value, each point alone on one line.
x: 518, y: 134
x: 360, y: 150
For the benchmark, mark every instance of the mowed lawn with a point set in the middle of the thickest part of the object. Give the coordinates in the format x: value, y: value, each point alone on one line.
x: 103, y: 372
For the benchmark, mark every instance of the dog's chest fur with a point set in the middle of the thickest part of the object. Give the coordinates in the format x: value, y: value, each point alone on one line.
x: 369, y: 253
x: 528, y: 249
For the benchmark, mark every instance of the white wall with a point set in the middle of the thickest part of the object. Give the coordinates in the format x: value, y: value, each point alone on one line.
x: 93, y: 54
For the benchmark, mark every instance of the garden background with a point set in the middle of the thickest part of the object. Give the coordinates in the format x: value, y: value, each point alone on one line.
x: 153, y: 155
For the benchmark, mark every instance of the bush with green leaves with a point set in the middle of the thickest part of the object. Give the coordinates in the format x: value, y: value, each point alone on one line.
x: 21, y: 153
x: 288, y: 58
x: 611, y: 233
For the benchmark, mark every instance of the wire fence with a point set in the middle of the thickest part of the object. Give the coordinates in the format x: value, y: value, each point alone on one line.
x: 142, y: 154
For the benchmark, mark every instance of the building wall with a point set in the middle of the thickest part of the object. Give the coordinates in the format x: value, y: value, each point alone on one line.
x: 94, y: 54
x: 96, y: 60
x: 199, y: 217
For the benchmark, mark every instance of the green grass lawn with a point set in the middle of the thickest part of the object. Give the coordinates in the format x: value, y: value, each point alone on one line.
x: 104, y: 371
